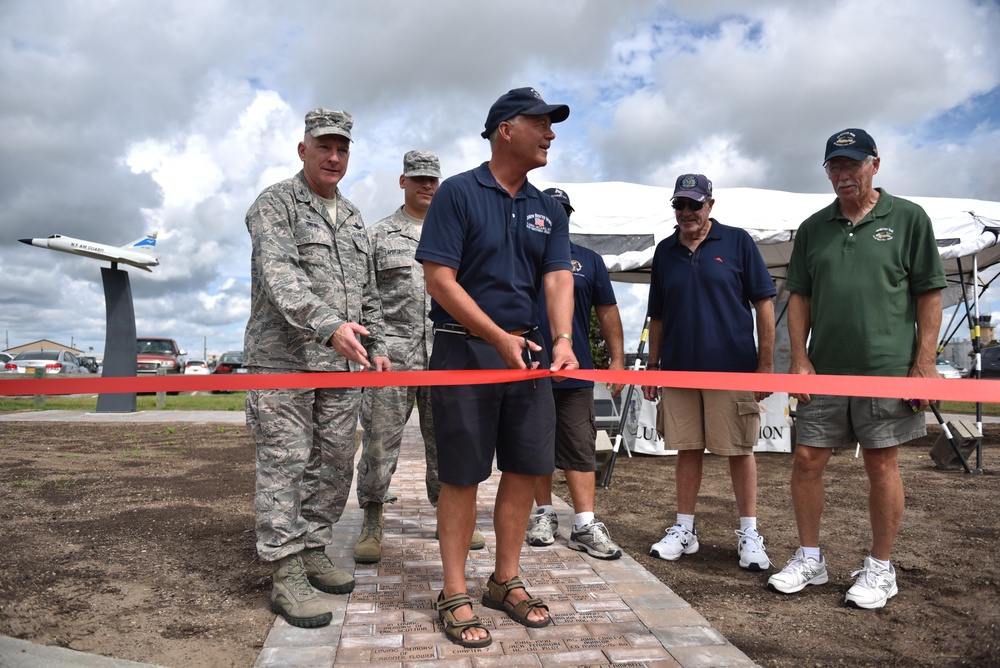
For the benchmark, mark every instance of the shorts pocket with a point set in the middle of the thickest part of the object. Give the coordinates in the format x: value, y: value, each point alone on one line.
x: 749, y: 412
x: 890, y: 409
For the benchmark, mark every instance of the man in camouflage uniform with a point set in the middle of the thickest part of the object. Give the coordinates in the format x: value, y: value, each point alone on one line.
x: 312, y: 296
x: 409, y: 336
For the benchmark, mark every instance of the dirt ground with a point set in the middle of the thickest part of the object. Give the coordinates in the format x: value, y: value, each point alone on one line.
x: 136, y: 541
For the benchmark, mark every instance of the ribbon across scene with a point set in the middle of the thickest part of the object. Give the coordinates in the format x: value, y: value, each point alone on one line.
x: 974, y: 390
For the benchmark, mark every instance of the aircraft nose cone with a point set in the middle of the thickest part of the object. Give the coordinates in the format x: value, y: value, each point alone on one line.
x: 25, y: 241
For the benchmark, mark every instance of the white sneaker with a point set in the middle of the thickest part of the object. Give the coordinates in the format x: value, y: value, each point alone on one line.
x: 798, y: 573
x: 542, y: 529
x: 678, y: 541
x: 753, y: 557
x: 875, y: 585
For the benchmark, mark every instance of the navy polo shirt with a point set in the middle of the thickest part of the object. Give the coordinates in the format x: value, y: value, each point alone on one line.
x: 499, y: 245
x: 591, y: 286
x: 703, y: 300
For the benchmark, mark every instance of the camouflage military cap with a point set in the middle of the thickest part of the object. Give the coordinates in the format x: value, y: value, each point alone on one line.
x: 421, y: 163
x: 322, y: 121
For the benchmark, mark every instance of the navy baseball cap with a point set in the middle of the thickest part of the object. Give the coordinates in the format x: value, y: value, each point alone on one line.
x: 561, y: 197
x: 693, y: 186
x: 852, y: 143
x: 522, y: 101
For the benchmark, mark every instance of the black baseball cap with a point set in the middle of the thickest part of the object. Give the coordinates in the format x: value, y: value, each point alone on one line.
x: 519, y: 101
x: 560, y: 196
x: 851, y: 143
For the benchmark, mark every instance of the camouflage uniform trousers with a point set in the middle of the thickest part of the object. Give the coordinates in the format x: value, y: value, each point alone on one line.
x: 384, y: 413
x: 306, y: 441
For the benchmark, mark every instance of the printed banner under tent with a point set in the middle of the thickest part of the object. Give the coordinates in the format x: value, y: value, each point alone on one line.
x: 640, y: 435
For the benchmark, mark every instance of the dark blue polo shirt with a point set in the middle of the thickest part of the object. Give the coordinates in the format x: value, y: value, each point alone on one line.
x: 703, y: 300
x: 499, y: 245
x: 591, y: 286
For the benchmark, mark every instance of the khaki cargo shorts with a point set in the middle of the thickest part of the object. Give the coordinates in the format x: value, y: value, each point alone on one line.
x: 725, y: 422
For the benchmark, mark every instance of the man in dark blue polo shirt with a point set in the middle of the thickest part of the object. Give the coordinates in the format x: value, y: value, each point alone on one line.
x: 706, y: 278
x: 576, y: 430
x: 491, y: 242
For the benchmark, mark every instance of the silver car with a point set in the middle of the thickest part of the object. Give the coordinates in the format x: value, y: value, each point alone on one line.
x: 947, y: 369
x: 53, y: 361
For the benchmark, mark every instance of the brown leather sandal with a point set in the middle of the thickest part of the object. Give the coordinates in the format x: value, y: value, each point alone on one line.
x: 453, y: 628
x: 496, y: 598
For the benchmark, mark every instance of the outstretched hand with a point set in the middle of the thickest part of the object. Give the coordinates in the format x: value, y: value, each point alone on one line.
x: 345, y: 342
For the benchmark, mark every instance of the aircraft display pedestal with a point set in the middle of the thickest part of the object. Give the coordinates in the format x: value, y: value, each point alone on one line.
x: 120, y: 347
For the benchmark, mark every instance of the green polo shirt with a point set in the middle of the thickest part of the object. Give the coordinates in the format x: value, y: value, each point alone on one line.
x: 863, y: 281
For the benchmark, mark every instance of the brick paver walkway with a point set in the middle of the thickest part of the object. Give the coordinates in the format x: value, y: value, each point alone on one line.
x: 607, y: 613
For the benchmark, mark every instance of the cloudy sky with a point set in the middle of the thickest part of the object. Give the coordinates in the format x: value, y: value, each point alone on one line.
x: 120, y: 118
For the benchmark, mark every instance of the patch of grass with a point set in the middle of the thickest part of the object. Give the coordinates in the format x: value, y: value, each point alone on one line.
x: 25, y: 482
x: 182, y: 402
x: 135, y: 452
x: 967, y: 407
x: 63, y: 482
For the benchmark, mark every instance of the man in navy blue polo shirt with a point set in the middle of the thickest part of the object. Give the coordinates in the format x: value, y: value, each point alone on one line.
x: 706, y: 278
x: 576, y: 431
x: 491, y: 242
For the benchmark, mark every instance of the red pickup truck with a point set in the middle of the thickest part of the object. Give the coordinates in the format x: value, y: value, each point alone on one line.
x: 155, y: 353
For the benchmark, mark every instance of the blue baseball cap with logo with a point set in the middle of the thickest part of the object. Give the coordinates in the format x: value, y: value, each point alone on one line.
x: 851, y: 143
x: 519, y: 101
x: 560, y: 196
x: 693, y: 186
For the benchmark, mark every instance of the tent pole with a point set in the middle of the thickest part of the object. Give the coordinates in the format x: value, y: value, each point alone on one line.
x: 620, y: 439
x: 979, y: 404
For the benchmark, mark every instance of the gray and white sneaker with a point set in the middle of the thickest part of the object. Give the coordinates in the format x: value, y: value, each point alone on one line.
x: 678, y: 541
x: 542, y: 529
x: 753, y: 557
x: 798, y: 573
x: 595, y: 540
x: 874, y: 586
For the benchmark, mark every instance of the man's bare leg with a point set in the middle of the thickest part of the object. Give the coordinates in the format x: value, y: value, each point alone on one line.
x: 456, y: 520
x: 510, y: 515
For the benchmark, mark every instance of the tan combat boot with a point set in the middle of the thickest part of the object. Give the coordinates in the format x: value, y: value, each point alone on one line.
x: 323, y: 575
x: 369, y: 547
x: 478, y: 541
x: 293, y: 598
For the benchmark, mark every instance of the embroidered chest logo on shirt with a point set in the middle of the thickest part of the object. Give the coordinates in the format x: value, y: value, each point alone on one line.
x: 883, y: 234
x: 577, y: 267
x: 539, y: 222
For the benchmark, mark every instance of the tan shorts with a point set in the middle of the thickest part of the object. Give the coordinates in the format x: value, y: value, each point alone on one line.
x: 725, y: 422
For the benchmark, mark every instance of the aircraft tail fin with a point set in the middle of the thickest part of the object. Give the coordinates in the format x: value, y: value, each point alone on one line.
x: 146, y: 244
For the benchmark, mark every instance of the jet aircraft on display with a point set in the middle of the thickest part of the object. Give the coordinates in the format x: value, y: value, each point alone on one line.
x: 139, y: 253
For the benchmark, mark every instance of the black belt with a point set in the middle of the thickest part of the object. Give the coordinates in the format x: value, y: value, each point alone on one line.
x: 449, y: 328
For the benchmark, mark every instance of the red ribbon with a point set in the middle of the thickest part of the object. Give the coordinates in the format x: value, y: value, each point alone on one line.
x: 854, y: 386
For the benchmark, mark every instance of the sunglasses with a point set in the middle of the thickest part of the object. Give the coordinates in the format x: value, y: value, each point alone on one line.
x: 681, y: 203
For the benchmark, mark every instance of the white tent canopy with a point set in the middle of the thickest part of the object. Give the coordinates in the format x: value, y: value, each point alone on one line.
x: 624, y: 222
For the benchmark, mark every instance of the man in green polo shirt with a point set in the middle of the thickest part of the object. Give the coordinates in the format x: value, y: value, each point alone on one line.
x: 865, y: 279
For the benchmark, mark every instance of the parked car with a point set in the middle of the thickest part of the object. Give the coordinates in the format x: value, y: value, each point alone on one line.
x: 53, y: 361
x: 155, y: 353
x: 229, y: 362
x: 89, y: 363
x: 5, y: 357
x: 196, y: 368
x: 947, y: 370
x: 991, y: 362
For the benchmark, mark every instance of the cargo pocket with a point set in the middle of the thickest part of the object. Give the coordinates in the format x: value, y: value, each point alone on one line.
x: 749, y: 412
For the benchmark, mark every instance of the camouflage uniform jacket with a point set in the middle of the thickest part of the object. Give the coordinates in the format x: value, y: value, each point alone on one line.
x: 308, y: 277
x: 409, y: 333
